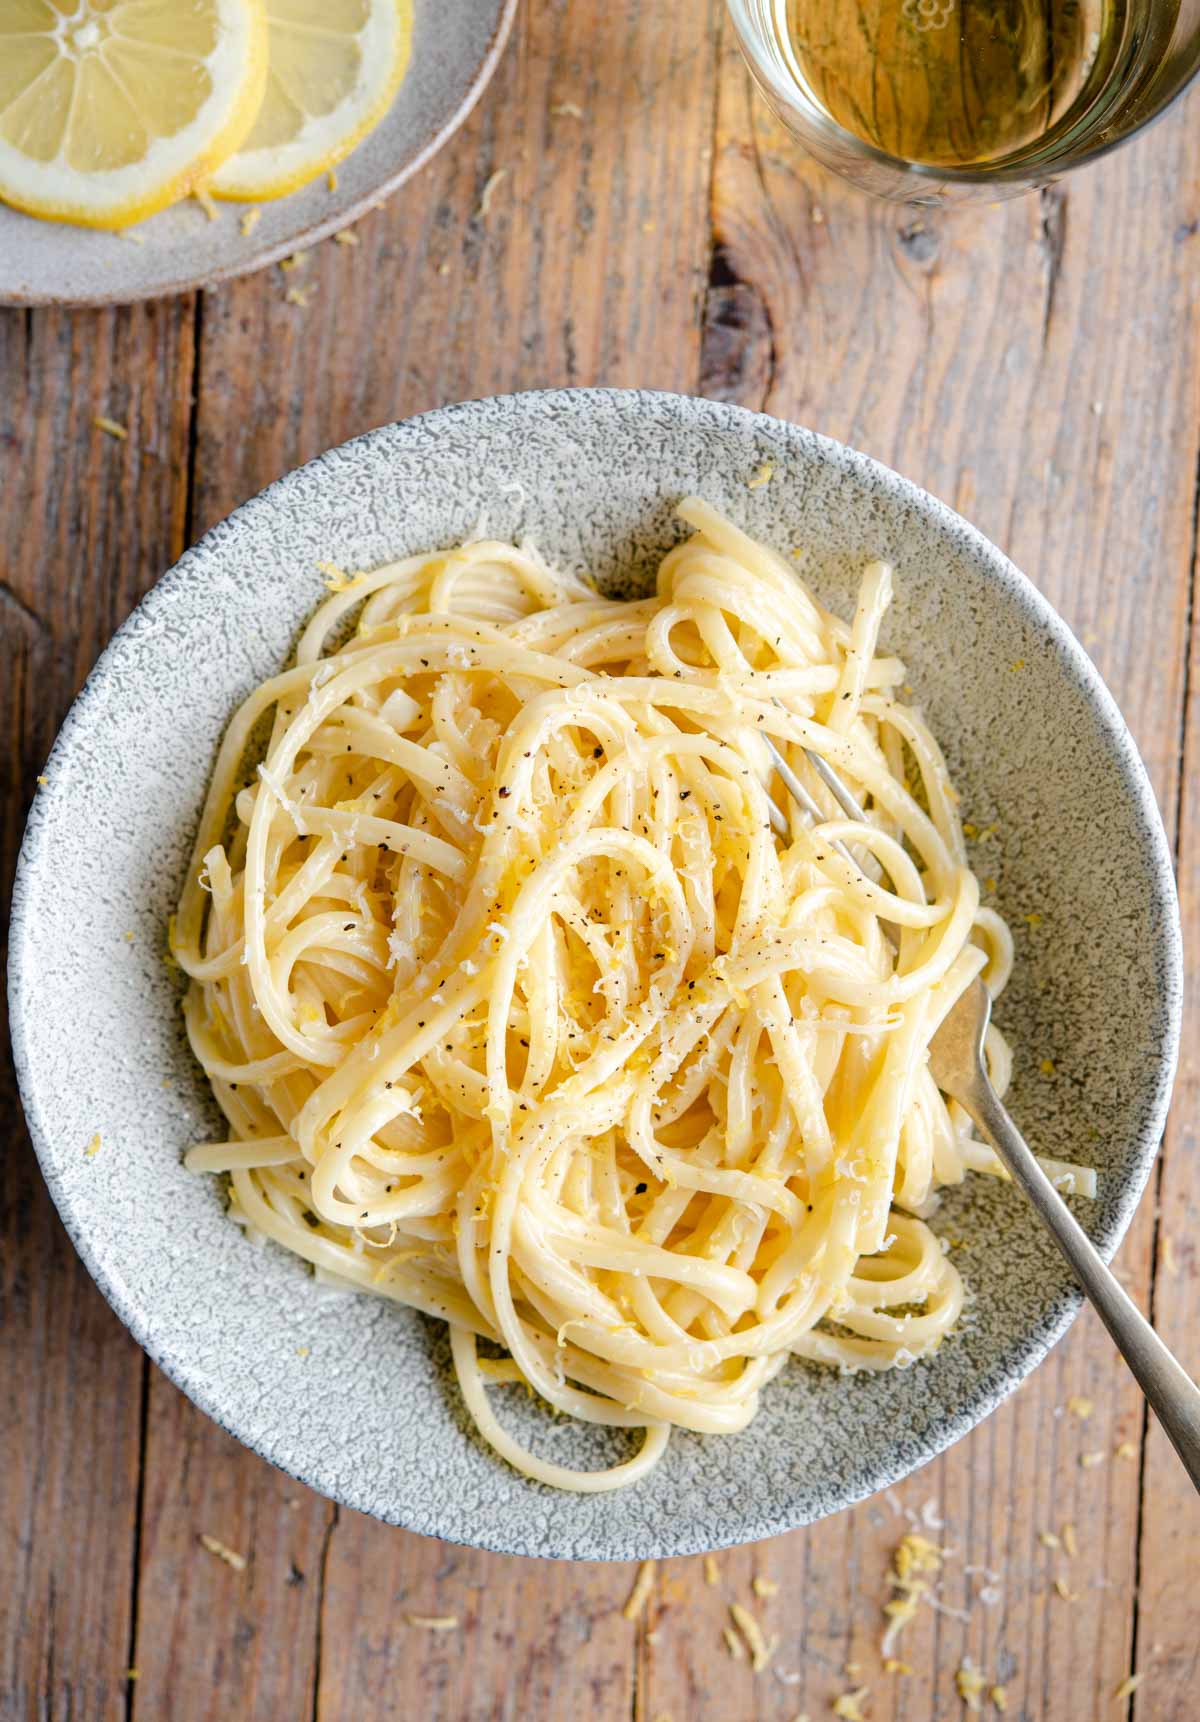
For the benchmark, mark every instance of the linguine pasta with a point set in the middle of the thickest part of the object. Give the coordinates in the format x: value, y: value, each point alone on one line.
x: 527, y: 1008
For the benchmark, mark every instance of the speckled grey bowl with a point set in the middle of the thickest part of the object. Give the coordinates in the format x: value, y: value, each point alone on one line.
x: 355, y: 1396
x: 456, y: 44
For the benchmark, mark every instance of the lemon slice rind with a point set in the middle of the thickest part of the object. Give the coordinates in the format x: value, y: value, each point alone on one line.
x: 260, y: 175
x: 174, y: 165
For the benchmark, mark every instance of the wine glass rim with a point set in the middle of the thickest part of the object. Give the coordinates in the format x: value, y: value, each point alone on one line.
x: 1036, y: 166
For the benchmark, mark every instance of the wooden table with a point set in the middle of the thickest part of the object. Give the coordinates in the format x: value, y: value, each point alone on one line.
x: 1038, y: 366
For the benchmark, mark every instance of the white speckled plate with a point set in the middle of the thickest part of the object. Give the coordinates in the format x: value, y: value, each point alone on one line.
x: 355, y: 1396
x: 456, y: 44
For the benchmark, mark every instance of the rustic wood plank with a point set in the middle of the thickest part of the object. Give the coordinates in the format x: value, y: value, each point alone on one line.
x: 215, y: 1638
x: 585, y: 262
x: 1167, y: 1653
x: 987, y: 356
x: 561, y: 238
x: 534, y: 1639
x: 88, y: 523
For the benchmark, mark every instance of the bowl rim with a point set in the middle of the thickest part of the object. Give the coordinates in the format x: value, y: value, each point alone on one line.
x: 997, y: 1384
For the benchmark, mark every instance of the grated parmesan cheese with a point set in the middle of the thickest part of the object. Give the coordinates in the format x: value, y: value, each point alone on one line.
x: 969, y: 1683
x: 489, y: 191
x: 223, y: 1552
x: 1129, y: 1686
x: 760, y: 1650
x: 999, y: 1697
x: 93, y: 1147
x: 1080, y: 1407
x: 711, y: 1571
x: 434, y: 1622
x: 111, y: 427
x: 733, y: 1644
x: 640, y: 1594
x: 848, y: 1705
x: 764, y: 1587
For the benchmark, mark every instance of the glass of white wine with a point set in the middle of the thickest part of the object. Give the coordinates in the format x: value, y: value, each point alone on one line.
x: 944, y: 101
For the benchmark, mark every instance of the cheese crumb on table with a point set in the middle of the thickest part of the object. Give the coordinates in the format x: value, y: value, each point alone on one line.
x: 848, y: 1705
x: 764, y: 1587
x: 489, y: 191
x: 733, y: 1644
x: 93, y: 1147
x: 999, y: 1697
x: 110, y: 427
x: 640, y: 1594
x: 1129, y: 1686
x: 711, y: 1570
x: 1068, y: 1540
x: 969, y: 1683
x: 760, y: 1651
x: 250, y: 221
x: 434, y: 1622
x: 1080, y: 1407
x: 223, y: 1552
x: 1088, y: 1460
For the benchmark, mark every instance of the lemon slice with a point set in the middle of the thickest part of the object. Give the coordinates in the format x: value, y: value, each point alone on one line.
x: 334, y: 69
x: 111, y: 109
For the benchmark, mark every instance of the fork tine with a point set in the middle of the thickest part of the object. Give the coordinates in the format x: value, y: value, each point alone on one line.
x: 834, y: 785
x: 792, y: 783
x: 803, y: 799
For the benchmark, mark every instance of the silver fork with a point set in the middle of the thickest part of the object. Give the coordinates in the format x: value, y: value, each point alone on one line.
x: 956, y: 1060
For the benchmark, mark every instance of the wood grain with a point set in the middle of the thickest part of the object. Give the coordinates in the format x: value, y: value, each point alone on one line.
x: 88, y: 523
x: 618, y: 210
x: 1168, y: 1649
x: 561, y: 238
x: 542, y: 1639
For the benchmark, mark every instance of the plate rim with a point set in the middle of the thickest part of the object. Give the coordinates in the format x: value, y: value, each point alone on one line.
x: 997, y: 1384
x: 322, y: 228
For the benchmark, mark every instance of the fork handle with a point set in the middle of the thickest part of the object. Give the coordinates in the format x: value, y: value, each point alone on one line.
x: 1166, y: 1384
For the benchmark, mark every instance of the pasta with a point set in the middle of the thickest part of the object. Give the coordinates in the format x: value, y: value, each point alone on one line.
x: 532, y: 1005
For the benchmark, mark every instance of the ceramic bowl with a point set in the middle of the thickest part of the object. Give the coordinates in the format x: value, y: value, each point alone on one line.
x: 456, y: 45
x: 354, y: 1395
